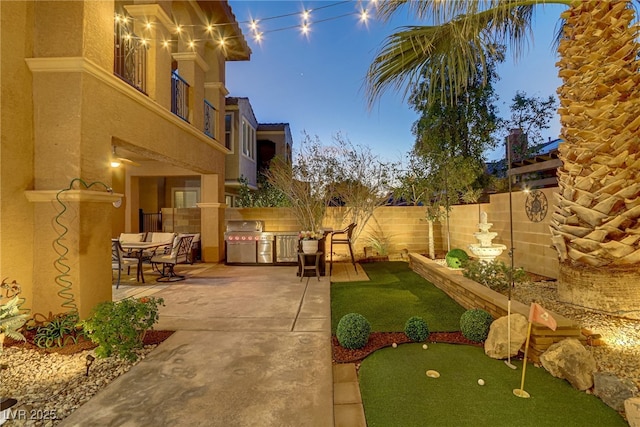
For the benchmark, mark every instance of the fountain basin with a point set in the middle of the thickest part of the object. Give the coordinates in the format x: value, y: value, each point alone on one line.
x: 486, y: 253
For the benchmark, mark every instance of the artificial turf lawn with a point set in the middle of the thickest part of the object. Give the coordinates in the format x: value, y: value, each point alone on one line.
x: 396, y: 391
x: 393, y: 295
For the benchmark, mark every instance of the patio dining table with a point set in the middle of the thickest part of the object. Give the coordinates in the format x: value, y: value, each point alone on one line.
x: 136, y: 249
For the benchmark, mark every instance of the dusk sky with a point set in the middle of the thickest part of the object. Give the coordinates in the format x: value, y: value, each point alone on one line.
x: 316, y: 82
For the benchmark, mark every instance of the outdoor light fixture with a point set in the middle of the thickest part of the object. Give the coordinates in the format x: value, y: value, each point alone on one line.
x: 90, y: 360
x: 115, y: 161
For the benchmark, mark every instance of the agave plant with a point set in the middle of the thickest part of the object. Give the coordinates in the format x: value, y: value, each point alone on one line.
x: 596, y: 219
x: 11, y: 320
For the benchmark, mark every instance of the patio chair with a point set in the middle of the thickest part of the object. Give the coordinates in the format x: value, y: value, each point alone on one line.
x: 179, y: 255
x: 343, y: 237
x: 119, y: 260
x: 158, y: 237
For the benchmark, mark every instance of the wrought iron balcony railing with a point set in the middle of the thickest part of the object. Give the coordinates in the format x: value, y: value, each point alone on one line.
x: 130, y: 56
x: 209, y: 119
x: 179, y: 97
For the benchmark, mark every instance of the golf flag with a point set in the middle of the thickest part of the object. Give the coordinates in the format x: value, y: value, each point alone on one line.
x: 539, y: 315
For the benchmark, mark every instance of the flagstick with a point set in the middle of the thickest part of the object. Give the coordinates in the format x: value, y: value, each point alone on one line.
x: 508, y: 361
x: 520, y: 391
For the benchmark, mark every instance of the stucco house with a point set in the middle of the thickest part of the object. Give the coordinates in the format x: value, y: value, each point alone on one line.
x: 252, y: 146
x: 141, y: 84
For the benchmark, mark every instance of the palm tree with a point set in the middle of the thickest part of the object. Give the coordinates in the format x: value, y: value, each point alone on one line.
x: 595, y: 226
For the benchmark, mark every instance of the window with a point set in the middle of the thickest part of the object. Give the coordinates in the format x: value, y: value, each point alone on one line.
x: 228, y: 135
x: 248, y: 140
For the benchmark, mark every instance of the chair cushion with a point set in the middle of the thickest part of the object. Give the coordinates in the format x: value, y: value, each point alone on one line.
x: 131, y: 237
x: 161, y: 237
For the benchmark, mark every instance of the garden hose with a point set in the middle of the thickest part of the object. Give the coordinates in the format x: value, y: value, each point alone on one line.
x: 61, y: 280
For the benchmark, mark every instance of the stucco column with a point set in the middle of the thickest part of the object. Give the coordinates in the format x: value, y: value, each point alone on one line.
x: 71, y: 249
x: 212, y: 218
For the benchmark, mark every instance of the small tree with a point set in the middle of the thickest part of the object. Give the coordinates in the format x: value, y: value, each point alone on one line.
x: 363, y: 181
x: 307, y: 183
x: 342, y: 174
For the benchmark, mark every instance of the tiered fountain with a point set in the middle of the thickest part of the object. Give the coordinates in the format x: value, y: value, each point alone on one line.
x: 485, y: 250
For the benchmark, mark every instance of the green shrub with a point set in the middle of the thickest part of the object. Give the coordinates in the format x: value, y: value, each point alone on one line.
x: 475, y: 323
x: 416, y: 329
x: 119, y: 327
x: 58, y: 331
x: 353, y: 331
x: 494, y: 274
x: 456, y: 258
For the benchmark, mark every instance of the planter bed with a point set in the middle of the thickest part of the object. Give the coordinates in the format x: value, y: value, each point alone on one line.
x: 470, y: 294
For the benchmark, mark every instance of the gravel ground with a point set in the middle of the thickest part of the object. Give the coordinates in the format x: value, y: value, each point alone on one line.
x: 620, y: 352
x: 49, y: 387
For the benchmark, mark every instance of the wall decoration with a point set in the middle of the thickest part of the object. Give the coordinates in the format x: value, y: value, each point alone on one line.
x: 536, y: 206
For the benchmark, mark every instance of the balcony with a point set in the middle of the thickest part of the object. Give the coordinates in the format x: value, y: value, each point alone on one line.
x: 130, y: 56
x: 209, y: 119
x: 179, y: 97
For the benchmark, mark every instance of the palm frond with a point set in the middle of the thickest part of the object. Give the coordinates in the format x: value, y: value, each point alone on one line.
x: 446, y: 55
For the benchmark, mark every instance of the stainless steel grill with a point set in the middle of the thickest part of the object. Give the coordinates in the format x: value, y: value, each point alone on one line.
x: 246, y: 243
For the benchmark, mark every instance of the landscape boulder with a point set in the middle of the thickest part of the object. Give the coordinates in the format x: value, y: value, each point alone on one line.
x: 632, y: 411
x: 568, y: 359
x: 613, y: 390
x: 496, y: 345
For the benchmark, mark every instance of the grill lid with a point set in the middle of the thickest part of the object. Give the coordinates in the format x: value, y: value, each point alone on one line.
x: 252, y: 226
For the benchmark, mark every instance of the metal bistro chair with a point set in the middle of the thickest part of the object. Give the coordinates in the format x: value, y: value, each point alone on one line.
x: 119, y: 260
x: 179, y: 255
x: 343, y: 237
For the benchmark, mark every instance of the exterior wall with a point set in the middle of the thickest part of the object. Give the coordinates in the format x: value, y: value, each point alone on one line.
x: 57, y: 60
x: 238, y: 164
x: 531, y: 240
x: 17, y: 216
x: 280, y: 135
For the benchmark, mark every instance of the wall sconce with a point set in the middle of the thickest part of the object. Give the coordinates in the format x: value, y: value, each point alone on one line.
x: 115, y: 161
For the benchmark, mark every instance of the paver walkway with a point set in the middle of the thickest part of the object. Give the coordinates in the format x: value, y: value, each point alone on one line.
x: 252, y: 348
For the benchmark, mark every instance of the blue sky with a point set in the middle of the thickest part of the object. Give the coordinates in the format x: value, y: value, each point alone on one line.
x: 315, y: 82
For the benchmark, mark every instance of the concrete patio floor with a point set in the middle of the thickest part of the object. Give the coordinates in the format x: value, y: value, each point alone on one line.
x: 252, y: 348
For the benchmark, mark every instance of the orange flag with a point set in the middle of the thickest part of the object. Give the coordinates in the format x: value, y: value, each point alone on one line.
x: 538, y: 314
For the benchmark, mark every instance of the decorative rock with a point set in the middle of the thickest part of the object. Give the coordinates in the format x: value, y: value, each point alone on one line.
x: 496, y: 345
x: 632, y: 411
x: 569, y: 360
x: 612, y: 390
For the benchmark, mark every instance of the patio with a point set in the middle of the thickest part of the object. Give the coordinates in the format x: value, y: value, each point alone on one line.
x: 252, y: 343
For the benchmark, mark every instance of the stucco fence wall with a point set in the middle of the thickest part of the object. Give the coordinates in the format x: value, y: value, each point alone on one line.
x: 408, y: 231
x: 405, y: 227
x: 531, y: 240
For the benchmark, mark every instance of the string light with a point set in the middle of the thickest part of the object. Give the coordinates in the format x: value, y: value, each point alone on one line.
x: 208, y: 32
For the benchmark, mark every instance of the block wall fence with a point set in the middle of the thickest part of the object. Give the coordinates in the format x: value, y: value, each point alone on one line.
x: 408, y: 231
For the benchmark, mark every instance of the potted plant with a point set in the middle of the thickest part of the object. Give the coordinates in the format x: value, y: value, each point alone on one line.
x: 310, y: 241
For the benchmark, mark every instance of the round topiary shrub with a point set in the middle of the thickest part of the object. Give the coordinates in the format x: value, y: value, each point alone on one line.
x: 475, y: 323
x: 456, y: 258
x: 353, y: 331
x: 416, y: 329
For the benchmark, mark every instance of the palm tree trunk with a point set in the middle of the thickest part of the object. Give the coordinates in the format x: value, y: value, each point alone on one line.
x: 595, y: 226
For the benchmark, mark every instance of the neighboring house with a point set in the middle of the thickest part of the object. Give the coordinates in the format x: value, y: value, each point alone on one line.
x: 533, y: 167
x: 252, y: 146
x: 87, y: 83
